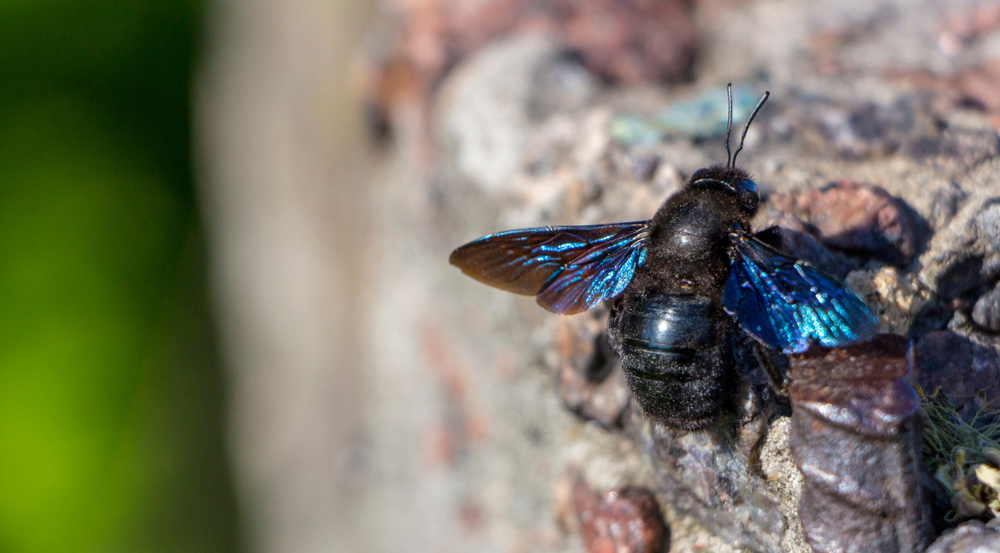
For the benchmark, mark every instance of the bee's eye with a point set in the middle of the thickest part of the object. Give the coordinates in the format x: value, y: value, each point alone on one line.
x: 749, y: 197
x: 746, y: 186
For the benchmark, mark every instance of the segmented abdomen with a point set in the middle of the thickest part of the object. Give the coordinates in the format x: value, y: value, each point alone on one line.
x: 676, y: 355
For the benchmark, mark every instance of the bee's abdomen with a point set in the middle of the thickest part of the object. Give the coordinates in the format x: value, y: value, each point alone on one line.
x: 673, y: 350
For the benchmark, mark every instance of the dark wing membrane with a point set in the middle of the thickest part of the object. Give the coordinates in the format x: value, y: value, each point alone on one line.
x: 787, y: 303
x: 570, y: 269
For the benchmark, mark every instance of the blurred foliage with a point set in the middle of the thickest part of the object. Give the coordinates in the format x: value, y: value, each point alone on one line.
x: 961, y: 452
x: 947, y: 431
x: 110, y: 390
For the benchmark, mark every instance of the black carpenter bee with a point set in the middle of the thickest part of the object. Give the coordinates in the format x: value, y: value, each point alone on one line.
x: 686, y: 282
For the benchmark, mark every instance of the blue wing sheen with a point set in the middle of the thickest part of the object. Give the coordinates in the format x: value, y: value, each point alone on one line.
x: 570, y: 269
x: 788, y: 304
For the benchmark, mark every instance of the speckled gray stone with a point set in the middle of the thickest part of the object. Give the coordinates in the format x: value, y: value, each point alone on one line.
x: 969, y: 537
x: 986, y: 312
x: 966, y: 253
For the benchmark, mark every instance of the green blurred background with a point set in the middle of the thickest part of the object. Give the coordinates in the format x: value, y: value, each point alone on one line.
x: 110, y: 389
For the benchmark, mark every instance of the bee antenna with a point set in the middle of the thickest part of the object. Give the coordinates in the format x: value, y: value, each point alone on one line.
x: 747, y: 126
x: 729, y: 125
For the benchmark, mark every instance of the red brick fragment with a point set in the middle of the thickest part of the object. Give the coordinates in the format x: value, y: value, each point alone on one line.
x: 626, y: 520
x: 856, y: 218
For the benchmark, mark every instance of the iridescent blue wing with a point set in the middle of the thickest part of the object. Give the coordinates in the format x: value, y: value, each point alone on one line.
x: 570, y: 269
x: 787, y: 303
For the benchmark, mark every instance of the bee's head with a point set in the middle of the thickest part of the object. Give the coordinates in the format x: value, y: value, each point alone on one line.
x: 732, y: 180
x: 728, y: 177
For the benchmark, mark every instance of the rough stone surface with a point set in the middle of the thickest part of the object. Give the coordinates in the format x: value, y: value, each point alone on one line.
x: 954, y: 366
x: 784, y: 480
x: 966, y: 253
x: 416, y: 45
x: 856, y: 439
x: 798, y: 241
x: 625, y: 520
x: 709, y: 477
x: 489, y: 115
x: 515, y: 398
x: 714, y: 480
x: 591, y: 382
x: 856, y: 128
x: 986, y: 312
x: 969, y: 537
x: 856, y: 218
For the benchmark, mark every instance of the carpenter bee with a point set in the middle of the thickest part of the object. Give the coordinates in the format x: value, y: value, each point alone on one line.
x: 687, y: 284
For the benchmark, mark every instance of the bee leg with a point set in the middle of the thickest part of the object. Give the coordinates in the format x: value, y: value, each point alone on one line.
x: 752, y: 400
x: 776, y: 366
